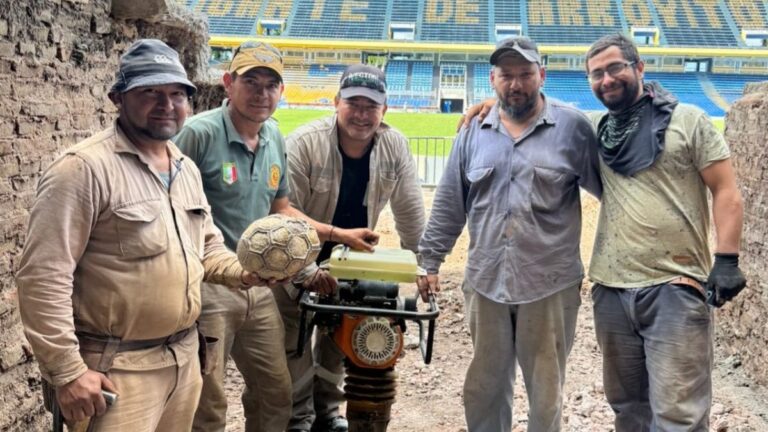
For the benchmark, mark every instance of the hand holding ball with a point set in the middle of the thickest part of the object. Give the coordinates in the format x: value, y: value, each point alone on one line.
x: 278, y: 247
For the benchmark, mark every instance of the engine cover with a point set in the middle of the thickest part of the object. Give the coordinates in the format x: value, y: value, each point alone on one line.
x: 369, y: 341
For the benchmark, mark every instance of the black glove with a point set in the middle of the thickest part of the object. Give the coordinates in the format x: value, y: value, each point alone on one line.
x: 725, y: 280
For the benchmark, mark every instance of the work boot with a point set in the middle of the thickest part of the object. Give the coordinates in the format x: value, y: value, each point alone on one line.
x: 332, y: 424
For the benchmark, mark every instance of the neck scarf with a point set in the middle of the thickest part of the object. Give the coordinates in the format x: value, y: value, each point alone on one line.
x: 631, y: 140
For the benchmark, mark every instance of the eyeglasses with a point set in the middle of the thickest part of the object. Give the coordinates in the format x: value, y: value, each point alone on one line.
x: 613, y: 70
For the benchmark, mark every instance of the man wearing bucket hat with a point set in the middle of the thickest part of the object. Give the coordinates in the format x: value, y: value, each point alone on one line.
x: 344, y: 170
x: 516, y: 178
x: 241, y: 155
x: 109, y: 279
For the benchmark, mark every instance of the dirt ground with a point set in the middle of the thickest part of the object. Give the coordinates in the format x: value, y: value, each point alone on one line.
x: 430, y: 396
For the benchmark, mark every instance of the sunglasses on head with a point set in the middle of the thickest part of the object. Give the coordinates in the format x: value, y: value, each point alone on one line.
x: 245, y: 46
x: 363, y: 80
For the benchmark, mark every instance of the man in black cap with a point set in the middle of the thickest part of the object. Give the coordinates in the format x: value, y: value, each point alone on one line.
x: 120, y: 238
x: 514, y: 180
x: 344, y: 169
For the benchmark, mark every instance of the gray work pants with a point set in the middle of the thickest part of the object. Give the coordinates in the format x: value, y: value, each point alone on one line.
x: 657, y: 356
x: 538, y: 336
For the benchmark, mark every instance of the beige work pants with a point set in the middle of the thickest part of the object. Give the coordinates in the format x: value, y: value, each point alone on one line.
x: 152, y: 400
x: 249, y: 328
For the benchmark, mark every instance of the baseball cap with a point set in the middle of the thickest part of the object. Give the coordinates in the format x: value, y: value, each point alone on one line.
x: 150, y: 62
x: 253, y: 54
x: 364, y: 80
x: 517, y: 45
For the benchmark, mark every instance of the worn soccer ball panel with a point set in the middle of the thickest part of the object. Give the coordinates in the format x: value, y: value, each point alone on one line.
x: 278, y: 246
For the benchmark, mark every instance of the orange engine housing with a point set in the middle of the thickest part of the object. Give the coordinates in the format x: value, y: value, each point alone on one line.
x: 369, y: 341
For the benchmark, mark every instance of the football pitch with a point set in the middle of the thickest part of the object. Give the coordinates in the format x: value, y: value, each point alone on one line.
x: 411, y: 124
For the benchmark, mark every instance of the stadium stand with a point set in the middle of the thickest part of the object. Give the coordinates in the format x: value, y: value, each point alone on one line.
x: 414, y: 92
x: 340, y: 19
x: 693, y: 23
x: 422, y: 77
x: 229, y: 17
x: 507, y: 12
x: 572, y: 21
x: 312, y: 77
x: 708, y: 23
x: 688, y: 89
x: 397, y: 75
x: 313, y: 85
x: 731, y: 86
x: 405, y: 11
x: 748, y: 14
x: 571, y: 87
x: 462, y: 21
x: 277, y: 9
x: 637, y: 13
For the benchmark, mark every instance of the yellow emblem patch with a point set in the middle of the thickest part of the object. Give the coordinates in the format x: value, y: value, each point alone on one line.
x: 274, y: 176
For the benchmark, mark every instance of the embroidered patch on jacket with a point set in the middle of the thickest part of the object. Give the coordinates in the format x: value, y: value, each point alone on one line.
x: 274, y: 176
x: 229, y: 172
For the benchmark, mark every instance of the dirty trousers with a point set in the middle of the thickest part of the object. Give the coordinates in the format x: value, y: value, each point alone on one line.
x: 538, y: 336
x: 657, y: 356
x: 317, y: 375
x: 152, y: 400
x: 249, y: 329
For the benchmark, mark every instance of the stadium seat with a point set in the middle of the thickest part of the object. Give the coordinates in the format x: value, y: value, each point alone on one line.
x: 687, y: 23
x: 421, y: 84
x: 558, y: 22
x: 339, y: 19
x: 454, y: 21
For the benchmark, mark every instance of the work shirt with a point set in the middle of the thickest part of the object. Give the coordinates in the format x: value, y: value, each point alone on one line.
x: 521, y: 202
x: 654, y: 226
x: 315, y: 168
x: 240, y: 184
x: 111, y: 251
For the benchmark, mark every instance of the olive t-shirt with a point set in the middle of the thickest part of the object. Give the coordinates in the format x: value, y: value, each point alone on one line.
x: 654, y: 226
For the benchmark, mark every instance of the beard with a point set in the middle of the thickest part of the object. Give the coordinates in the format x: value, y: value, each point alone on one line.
x: 517, y: 110
x: 623, y: 100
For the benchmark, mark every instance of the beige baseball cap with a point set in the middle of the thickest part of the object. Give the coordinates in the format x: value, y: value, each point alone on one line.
x: 253, y: 54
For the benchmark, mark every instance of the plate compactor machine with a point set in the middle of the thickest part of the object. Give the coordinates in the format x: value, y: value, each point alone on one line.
x: 366, y: 318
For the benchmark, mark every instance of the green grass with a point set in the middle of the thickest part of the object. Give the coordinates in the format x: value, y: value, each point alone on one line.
x: 410, y: 124
x: 719, y: 123
x: 290, y: 119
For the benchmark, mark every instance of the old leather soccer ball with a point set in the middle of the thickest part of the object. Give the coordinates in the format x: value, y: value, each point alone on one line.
x: 278, y: 246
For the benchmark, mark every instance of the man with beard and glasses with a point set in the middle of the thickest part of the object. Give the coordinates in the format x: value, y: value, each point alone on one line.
x: 651, y: 263
x: 344, y: 170
x: 241, y: 156
x: 514, y: 180
x: 119, y: 240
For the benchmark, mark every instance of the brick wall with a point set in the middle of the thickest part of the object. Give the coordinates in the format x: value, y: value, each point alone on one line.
x: 57, y: 62
x: 743, y: 324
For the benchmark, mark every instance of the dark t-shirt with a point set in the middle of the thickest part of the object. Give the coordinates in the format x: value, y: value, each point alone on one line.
x: 351, y: 210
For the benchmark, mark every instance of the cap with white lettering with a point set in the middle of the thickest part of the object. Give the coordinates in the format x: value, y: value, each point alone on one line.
x: 150, y: 62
